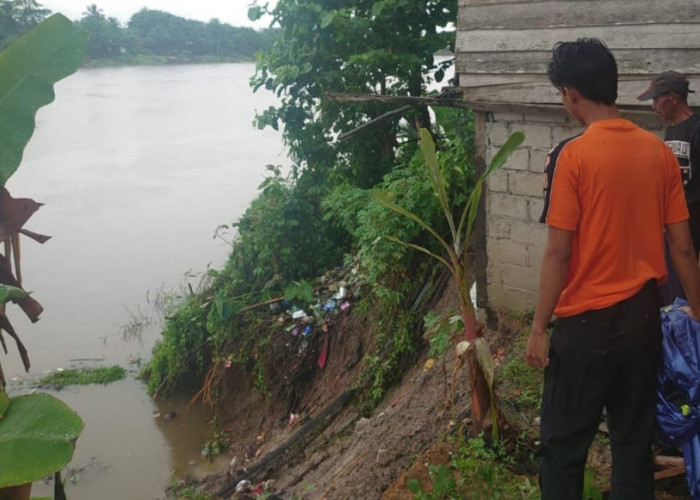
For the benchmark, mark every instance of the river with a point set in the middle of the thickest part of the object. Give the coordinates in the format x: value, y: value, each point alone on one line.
x: 137, y: 167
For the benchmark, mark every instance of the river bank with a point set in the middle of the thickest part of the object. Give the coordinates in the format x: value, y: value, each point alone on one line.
x: 160, y: 60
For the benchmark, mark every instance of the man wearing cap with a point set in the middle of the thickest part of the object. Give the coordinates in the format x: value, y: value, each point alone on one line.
x: 669, y: 94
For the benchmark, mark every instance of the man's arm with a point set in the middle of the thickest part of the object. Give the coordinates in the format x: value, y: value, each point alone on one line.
x: 555, y: 264
x: 685, y: 262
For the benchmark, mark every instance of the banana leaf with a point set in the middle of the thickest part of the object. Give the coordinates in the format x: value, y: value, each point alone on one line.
x: 37, y: 434
x: 29, y: 68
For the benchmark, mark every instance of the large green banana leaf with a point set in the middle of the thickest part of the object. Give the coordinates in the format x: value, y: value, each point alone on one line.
x: 29, y: 68
x: 37, y: 434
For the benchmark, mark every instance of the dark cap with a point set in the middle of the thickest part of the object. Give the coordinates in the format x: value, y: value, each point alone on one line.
x: 663, y: 83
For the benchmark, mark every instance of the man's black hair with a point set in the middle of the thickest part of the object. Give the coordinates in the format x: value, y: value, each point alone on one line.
x: 586, y: 65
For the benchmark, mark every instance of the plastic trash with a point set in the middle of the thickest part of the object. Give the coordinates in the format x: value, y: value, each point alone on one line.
x: 295, y: 331
x: 299, y: 314
x: 244, y: 486
x: 329, y: 306
x: 306, y: 331
x: 344, y: 306
x: 323, y: 356
x: 340, y: 294
x: 678, y: 389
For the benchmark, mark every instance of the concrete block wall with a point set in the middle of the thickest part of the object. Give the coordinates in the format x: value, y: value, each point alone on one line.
x: 514, y: 200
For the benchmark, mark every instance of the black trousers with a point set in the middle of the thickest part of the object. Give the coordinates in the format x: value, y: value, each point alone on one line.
x: 602, y: 358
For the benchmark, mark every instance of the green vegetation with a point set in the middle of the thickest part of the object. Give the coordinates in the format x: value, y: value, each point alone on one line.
x: 153, y: 36
x: 324, y: 214
x: 479, y: 469
x: 524, y: 382
x: 188, y: 492
x: 329, y: 211
x: 17, y: 17
x: 150, y: 36
x: 84, y: 376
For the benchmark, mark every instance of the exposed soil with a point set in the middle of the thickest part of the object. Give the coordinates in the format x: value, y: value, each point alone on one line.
x: 355, y: 457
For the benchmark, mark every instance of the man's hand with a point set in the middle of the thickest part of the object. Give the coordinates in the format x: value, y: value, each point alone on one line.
x: 536, y: 350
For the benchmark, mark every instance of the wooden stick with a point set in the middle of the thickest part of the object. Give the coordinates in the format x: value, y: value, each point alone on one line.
x: 355, y: 131
x: 399, y: 99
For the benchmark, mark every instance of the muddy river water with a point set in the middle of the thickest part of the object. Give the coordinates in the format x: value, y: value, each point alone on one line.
x: 136, y: 167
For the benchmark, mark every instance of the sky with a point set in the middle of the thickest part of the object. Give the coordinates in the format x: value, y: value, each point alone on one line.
x: 234, y: 12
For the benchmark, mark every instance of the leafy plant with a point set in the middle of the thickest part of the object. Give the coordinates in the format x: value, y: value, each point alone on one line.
x: 37, y: 433
x: 476, y: 470
x: 457, y: 262
x: 299, y: 290
x: 84, y: 376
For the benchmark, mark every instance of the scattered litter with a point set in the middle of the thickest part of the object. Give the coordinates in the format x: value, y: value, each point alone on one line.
x: 325, y: 327
x: 59, y: 369
x: 324, y: 353
x: 293, y: 419
x: 244, y: 486
x: 329, y: 306
x: 295, y: 331
x: 299, y: 314
x: 306, y: 331
x: 344, y: 306
x: 340, y: 294
x: 227, y: 363
x: 428, y: 364
x: 281, y: 319
x: 462, y: 348
x: 233, y: 462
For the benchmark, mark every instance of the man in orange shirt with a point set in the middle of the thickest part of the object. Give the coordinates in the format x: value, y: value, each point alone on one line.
x: 609, y: 194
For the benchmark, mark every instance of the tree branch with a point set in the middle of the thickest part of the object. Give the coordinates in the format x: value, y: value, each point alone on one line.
x: 408, y: 101
x: 397, y: 99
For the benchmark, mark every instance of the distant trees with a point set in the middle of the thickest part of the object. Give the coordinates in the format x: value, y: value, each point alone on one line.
x: 105, y: 36
x: 160, y: 33
x: 151, y: 32
x: 18, y: 16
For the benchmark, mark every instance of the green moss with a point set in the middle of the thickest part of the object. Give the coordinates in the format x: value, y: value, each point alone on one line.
x: 85, y: 376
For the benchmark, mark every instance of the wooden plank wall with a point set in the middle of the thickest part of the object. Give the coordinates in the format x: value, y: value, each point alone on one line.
x: 504, y: 46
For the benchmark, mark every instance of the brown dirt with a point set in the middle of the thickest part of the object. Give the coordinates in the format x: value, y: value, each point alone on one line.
x: 355, y: 457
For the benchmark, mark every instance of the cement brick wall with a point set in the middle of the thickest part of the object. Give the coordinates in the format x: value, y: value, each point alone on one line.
x: 514, y: 237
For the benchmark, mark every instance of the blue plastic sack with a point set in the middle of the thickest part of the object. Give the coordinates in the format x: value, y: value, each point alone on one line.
x: 678, y: 402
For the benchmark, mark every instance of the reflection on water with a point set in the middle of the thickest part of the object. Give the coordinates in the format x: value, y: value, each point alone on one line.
x: 137, y: 168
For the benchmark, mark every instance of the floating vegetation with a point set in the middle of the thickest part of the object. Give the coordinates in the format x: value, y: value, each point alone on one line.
x: 84, y: 376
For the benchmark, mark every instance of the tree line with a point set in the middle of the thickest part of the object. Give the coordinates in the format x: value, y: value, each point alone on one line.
x: 148, y: 32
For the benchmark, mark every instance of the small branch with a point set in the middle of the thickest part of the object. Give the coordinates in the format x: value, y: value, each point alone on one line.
x: 408, y: 102
x: 354, y: 132
x: 397, y: 99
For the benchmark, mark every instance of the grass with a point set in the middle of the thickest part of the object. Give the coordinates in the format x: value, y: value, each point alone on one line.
x: 84, y: 376
x: 519, y: 383
x: 477, y: 468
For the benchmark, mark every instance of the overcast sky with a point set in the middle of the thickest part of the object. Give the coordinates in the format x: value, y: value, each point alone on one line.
x: 234, y: 12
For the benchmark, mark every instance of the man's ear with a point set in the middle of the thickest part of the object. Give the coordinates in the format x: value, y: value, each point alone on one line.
x: 573, y: 94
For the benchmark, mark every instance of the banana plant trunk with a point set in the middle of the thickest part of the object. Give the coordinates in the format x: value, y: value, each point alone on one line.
x: 486, y: 414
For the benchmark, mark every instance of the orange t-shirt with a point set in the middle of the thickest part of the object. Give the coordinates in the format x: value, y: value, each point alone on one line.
x: 615, y: 186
